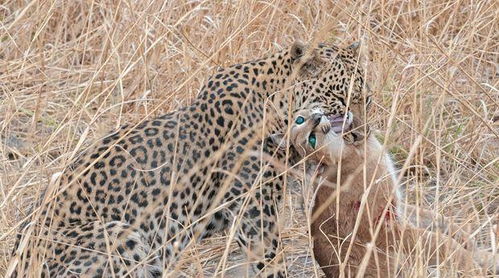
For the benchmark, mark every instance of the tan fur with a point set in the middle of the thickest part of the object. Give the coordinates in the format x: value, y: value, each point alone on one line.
x: 359, y: 206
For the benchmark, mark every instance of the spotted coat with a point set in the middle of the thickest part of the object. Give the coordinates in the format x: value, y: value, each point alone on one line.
x: 134, y: 200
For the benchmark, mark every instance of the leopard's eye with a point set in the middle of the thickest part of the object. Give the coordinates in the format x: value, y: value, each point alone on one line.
x: 300, y: 120
x: 312, y: 140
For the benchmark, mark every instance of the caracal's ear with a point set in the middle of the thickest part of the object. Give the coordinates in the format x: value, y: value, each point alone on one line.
x: 306, y: 59
x: 278, y: 140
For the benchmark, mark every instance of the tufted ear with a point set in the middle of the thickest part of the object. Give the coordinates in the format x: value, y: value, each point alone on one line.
x: 277, y: 140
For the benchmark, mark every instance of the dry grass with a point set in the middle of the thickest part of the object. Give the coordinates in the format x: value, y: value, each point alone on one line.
x: 72, y: 70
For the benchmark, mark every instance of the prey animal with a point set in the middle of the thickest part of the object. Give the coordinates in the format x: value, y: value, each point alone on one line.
x: 359, y: 220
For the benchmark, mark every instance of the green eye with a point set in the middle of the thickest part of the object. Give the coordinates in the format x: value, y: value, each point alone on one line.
x: 312, y: 140
x: 300, y: 120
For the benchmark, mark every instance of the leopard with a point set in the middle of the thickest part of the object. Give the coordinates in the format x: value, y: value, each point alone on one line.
x: 358, y: 218
x: 132, y: 202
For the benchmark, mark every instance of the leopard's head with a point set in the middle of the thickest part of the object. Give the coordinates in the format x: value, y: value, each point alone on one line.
x: 330, y: 80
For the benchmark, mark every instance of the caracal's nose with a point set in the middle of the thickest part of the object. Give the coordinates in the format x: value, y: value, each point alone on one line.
x: 316, y: 118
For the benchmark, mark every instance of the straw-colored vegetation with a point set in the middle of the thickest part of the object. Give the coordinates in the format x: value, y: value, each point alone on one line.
x: 70, y: 71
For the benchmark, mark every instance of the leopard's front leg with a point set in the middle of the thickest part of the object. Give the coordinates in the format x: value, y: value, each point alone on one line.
x: 258, y: 232
x: 252, y: 197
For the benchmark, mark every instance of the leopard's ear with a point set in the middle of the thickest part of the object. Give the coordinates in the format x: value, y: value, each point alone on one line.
x: 354, y: 48
x: 297, y: 50
x: 308, y: 60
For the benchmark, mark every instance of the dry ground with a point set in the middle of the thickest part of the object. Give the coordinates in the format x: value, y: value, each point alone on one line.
x: 72, y: 70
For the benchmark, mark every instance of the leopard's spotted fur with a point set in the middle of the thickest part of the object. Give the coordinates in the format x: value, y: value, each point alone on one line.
x: 131, y: 203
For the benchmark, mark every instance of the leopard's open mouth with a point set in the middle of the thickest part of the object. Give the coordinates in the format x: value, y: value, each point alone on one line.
x: 340, y: 123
